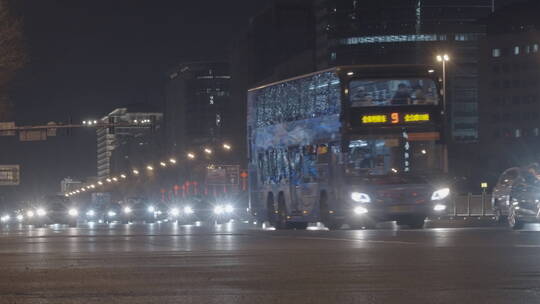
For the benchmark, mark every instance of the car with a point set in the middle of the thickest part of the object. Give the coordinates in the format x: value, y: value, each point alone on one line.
x: 181, y: 213
x: 407, y: 199
x: 213, y: 211
x: 138, y: 211
x: 54, y: 213
x: 519, y: 189
x: 502, y: 193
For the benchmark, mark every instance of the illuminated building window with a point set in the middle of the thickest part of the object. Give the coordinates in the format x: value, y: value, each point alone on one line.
x: 496, y: 52
x: 516, y: 50
x: 392, y: 39
x: 536, y: 131
x: 518, y: 133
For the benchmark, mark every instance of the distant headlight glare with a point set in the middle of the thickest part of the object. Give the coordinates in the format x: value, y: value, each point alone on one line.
x: 73, y: 212
x: 188, y: 210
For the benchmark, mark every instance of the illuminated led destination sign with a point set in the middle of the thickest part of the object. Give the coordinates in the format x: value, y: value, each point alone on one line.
x: 395, y: 118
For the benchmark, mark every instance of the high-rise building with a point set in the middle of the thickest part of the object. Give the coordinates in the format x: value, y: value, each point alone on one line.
x: 68, y: 185
x: 121, y: 148
x: 410, y: 31
x: 198, y: 108
x: 510, y: 88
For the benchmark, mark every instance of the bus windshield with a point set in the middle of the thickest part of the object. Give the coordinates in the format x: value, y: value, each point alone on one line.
x: 379, y: 157
x: 392, y: 92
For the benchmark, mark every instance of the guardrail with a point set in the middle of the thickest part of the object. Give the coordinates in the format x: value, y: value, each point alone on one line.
x: 471, y: 205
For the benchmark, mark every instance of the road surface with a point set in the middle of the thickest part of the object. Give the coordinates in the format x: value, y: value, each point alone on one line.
x: 237, y: 263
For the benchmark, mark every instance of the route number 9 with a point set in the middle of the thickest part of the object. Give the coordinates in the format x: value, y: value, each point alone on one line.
x: 394, y: 118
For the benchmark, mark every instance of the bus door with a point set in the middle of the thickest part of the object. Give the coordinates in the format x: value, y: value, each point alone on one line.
x: 304, y: 179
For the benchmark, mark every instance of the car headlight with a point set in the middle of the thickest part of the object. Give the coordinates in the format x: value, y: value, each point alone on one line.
x: 360, y: 210
x: 91, y: 213
x: 41, y: 212
x: 440, y: 194
x: 5, y: 218
x: 20, y: 217
x: 73, y: 212
x: 127, y: 210
x: 111, y: 213
x: 151, y: 209
x: 218, y: 210
x: 360, y: 197
x: 30, y: 213
x: 175, y: 212
x: 188, y: 210
x: 228, y: 208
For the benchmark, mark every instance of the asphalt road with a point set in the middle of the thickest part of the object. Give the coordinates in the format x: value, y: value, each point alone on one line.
x: 234, y: 263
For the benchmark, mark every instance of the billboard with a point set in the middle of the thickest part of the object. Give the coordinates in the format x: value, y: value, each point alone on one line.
x: 10, y: 175
x: 222, y: 175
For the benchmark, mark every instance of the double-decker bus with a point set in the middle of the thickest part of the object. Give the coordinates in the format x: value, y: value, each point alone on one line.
x: 351, y: 144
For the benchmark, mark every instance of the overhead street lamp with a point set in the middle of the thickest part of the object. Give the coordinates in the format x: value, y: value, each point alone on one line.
x: 191, y: 156
x: 227, y: 147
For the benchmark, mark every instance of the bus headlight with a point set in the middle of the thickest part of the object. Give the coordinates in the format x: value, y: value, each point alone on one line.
x: 151, y: 209
x: 188, y: 210
x: 360, y: 197
x: 228, y: 208
x: 439, y: 207
x: 111, y: 213
x: 360, y: 210
x: 440, y: 194
x: 127, y: 210
x: 73, y: 212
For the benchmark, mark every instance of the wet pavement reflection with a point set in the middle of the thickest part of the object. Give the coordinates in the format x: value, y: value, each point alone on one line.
x: 241, y: 263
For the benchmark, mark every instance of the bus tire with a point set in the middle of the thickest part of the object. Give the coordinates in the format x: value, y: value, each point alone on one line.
x: 281, y: 222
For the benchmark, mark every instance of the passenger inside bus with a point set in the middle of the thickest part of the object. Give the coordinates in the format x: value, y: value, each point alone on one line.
x: 368, y: 93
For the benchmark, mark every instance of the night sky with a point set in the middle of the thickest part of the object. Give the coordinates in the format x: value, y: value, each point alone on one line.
x: 88, y: 57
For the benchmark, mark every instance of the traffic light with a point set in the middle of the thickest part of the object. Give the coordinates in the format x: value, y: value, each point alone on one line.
x: 111, y: 125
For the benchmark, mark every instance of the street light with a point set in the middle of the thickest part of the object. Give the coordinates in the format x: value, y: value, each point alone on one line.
x: 207, y: 151
x: 191, y: 156
x: 172, y: 160
x: 443, y: 59
x: 227, y: 147
x: 123, y: 176
x: 135, y: 171
x: 149, y: 167
x: 163, y: 164
x: 100, y: 183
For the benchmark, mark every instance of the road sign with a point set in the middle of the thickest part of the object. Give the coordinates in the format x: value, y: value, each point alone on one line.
x: 9, y: 175
x: 222, y: 175
x: 10, y: 125
x: 33, y: 135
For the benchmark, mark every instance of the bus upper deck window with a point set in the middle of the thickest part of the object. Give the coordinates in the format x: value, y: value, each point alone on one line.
x: 392, y: 92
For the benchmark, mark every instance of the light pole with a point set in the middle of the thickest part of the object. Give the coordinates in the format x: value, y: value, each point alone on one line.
x: 443, y: 59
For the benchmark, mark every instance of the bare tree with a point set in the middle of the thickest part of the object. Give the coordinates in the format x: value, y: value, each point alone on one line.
x: 12, y: 55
